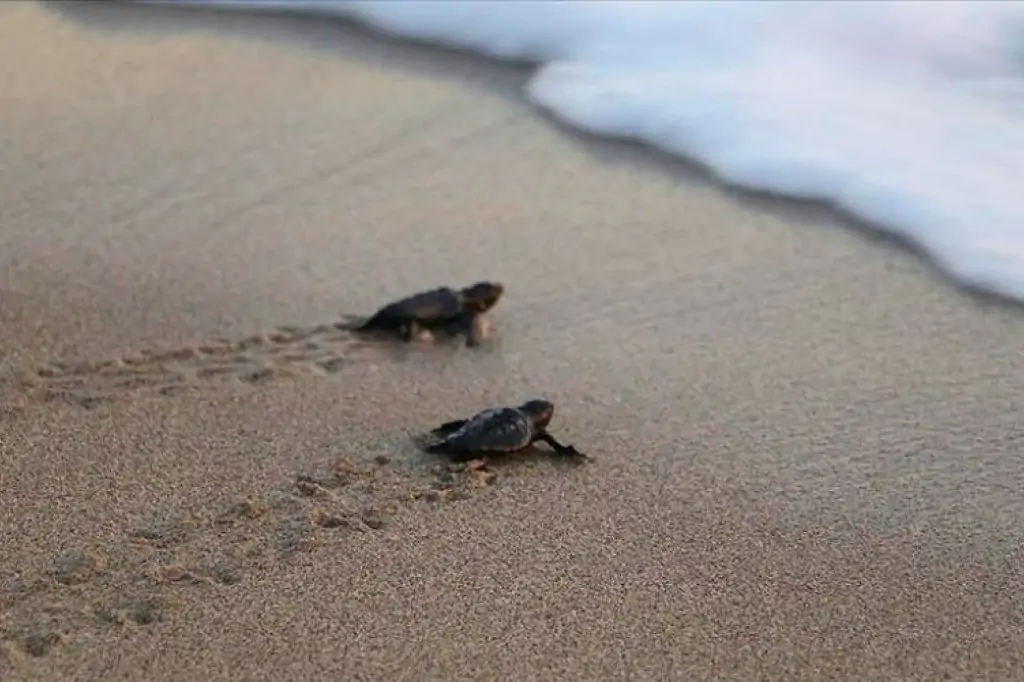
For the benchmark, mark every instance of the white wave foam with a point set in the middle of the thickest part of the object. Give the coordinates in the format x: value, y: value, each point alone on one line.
x: 907, y: 114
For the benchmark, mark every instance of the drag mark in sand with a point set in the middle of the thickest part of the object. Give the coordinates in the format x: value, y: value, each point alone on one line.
x: 285, y: 352
x: 321, y: 349
x: 143, y: 576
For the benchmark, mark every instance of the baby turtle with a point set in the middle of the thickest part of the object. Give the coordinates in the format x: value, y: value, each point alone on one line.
x: 450, y: 310
x: 499, y: 430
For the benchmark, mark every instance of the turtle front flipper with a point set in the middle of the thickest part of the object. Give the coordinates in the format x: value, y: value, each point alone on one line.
x: 564, y: 450
x: 449, y: 427
x: 473, y: 326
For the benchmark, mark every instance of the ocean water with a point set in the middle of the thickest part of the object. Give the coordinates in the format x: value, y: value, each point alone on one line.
x: 909, y: 115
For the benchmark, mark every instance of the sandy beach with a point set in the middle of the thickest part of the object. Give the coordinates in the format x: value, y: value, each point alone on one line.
x: 807, y: 456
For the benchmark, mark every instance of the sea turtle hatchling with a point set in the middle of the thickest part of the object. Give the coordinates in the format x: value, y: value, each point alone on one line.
x: 458, y: 311
x: 497, y: 431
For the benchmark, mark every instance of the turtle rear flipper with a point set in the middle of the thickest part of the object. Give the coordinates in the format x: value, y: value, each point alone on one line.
x: 437, y: 447
x: 383, y: 322
x: 352, y: 323
x: 449, y: 427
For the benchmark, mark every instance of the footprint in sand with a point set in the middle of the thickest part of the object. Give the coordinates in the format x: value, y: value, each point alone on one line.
x: 320, y: 350
x: 142, y: 579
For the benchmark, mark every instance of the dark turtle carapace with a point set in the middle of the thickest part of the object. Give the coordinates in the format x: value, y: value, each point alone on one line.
x: 497, y: 431
x: 451, y: 310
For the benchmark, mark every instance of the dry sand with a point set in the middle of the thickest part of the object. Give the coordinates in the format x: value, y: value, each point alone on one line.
x: 807, y: 445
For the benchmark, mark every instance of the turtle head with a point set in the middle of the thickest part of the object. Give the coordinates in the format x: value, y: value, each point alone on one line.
x: 482, y: 296
x: 539, y: 411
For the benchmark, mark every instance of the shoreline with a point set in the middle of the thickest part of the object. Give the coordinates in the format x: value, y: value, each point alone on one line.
x: 687, y: 169
x: 805, y: 457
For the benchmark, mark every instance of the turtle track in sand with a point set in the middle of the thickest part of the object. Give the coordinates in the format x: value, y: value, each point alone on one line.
x: 284, y: 352
x: 140, y: 575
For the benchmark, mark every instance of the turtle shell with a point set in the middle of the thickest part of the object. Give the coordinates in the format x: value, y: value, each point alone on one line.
x: 503, y: 429
x: 437, y: 305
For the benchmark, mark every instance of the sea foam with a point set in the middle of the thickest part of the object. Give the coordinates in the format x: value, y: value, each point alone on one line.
x: 909, y: 115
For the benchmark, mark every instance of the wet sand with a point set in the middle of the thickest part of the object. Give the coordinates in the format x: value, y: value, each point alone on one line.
x: 807, y: 449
